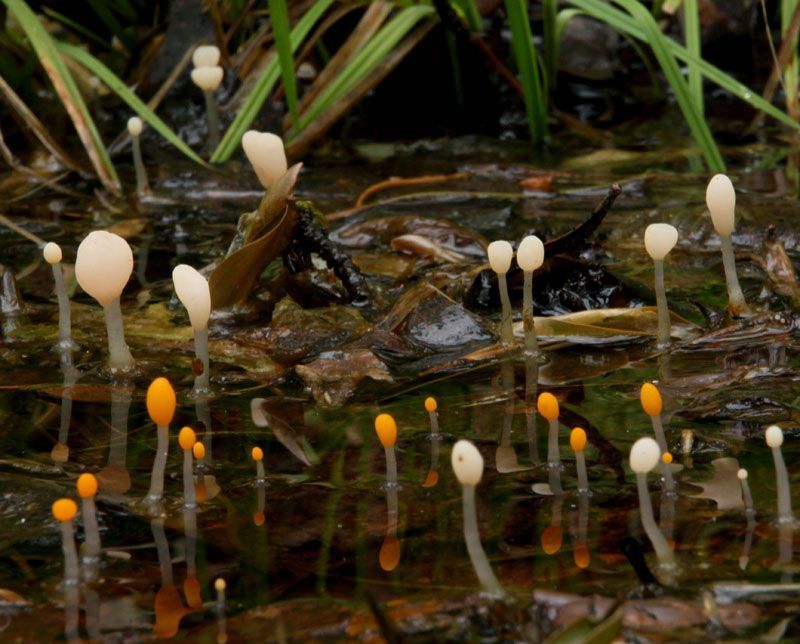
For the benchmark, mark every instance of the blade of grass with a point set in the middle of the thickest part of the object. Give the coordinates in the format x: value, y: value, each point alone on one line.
x: 67, y: 90
x: 471, y: 13
x: 691, y: 27
x: 551, y: 41
x: 247, y: 113
x: 624, y: 23
x: 279, y: 18
x: 790, y: 72
x: 533, y: 89
x: 367, y: 59
x: 117, y: 85
x: 693, y: 117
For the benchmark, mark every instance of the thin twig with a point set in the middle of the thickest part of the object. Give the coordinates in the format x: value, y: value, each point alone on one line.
x: 397, y: 182
x: 21, y: 231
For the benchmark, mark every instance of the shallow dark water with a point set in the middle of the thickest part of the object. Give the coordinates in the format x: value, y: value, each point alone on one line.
x: 306, y: 571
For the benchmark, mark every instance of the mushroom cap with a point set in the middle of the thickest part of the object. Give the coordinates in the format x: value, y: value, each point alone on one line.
x: 187, y: 438
x: 207, y: 78
x: 206, y: 56
x: 431, y: 405
x: 530, y: 253
x: 193, y: 291
x: 659, y: 239
x: 199, y: 451
x: 547, y: 404
x: 266, y: 154
x: 103, y: 265
x: 645, y: 455
x: 467, y: 463
x: 135, y: 126
x: 577, y: 439
x: 742, y: 474
x: 161, y: 401
x: 64, y: 510
x: 87, y: 485
x: 52, y: 253
x: 500, y: 254
x: 721, y: 202
x: 666, y: 457
x: 650, y: 398
x: 386, y: 428
x: 219, y: 584
x: 257, y: 453
x: 774, y: 436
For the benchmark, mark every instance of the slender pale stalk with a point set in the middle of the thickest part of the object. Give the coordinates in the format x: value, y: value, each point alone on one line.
x: 583, y: 479
x: 531, y: 385
x: 554, y: 479
x: 473, y: 540
x: 189, y: 494
x: 506, y: 330
x: 201, y: 382
x: 553, y: 457
x: 159, y: 465
x: 528, y: 324
x: 391, y: 467
x: 219, y: 586
x: 142, y: 186
x: 190, y: 531
x: 90, y: 529
x: 213, y: 120
x: 261, y: 475
x: 786, y: 550
x: 202, y: 409
x: 660, y: 545
x: 64, y: 312
x: 72, y: 613
x: 261, y: 500
x: 92, y: 610
x: 661, y: 439
x: 119, y: 356
x: 736, y: 301
x: 782, y: 480
x: 744, y: 558
x: 747, y: 496
x: 60, y: 452
x: 162, y: 548
x: 392, y: 506
x: 71, y: 570
x: 666, y: 515
x: 664, y: 325
x: 434, y: 418
x: 114, y: 476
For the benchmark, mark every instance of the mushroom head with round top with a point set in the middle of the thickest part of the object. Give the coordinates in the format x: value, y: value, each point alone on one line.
x: 742, y: 474
x: 206, y: 56
x: 547, y: 404
x: 645, y: 455
x: 500, y: 254
x: 64, y: 510
x: 774, y: 436
x: 207, y: 78
x: 467, y: 463
x: 577, y: 439
x: 386, y: 429
x: 530, y: 253
x: 199, y: 451
x: 721, y: 202
x: 430, y: 404
x: 187, y: 438
x: 193, y: 291
x: 103, y: 265
x: 52, y: 253
x: 257, y: 453
x: 161, y: 401
x: 650, y: 398
x: 659, y: 239
x: 666, y: 458
x: 135, y: 126
x: 266, y: 154
x: 87, y: 485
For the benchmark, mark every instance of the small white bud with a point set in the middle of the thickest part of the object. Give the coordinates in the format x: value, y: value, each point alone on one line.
x: 467, y: 463
x: 645, y: 455
x: 774, y: 436
x: 207, y: 78
x: 206, y: 56
x: 742, y: 474
x: 266, y: 154
x: 659, y: 239
x: 52, y: 253
x: 721, y: 202
x: 135, y: 126
x: 530, y: 253
x: 193, y: 292
x: 500, y: 255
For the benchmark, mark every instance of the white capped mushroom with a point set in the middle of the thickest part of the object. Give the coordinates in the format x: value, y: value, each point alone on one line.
x: 530, y: 253
x: 103, y: 265
x: 206, y: 56
x: 193, y: 292
x: 659, y: 239
x: 467, y: 463
x: 266, y: 154
x: 52, y: 253
x: 135, y: 126
x: 207, y: 78
x: 645, y: 455
x: 721, y: 202
x: 774, y: 436
x: 500, y: 254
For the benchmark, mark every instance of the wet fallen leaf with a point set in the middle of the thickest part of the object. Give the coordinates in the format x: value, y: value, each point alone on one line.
x: 9, y: 598
x: 723, y: 488
x: 281, y: 429
x: 334, y: 375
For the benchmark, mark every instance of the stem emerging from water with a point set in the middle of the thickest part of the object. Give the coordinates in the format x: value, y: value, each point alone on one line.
x: 782, y: 479
x: 736, y: 302
x: 119, y: 356
x: 91, y: 529
x: 64, y: 313
x: 159, y: 464
x: 201, y: 382
x: 528, y: 325
x: 660, y: 545
x: 664, y: 326
x: 70, y: 553
x: 506, y: 331
x: 189, y: 496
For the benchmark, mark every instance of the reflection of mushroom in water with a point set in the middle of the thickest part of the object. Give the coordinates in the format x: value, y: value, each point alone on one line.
x: 161, y: 404
x: 721, y: 202
x: 389, y: 556
x: 652, y: 404
x: 87, y: 490
x: 530, y: 257
x: 219, y: 587
x: 53, y: 255
x: 191, y: 585
x: 64, y: 510
x: 386, y: 429
x: 102, y: 267
x: 135, y: 127
x: 468, y: 467
x: 645, y: 455
x: 266, y: 154
x: 774, y: 438
x: 169, y: 608
x: 659, y: 239
x: 577, y: 440
x: 193, y: 292
x: 547, y: 404
x: 500, y: 254
x: 187, y: 440
x: 553, y: 535
x: 432, y: 477
x: 207, y: 75
x: 580, y: 553
x: 750, y: 514
x: 60, y: 451
x: 257, y: 454
x: 114, y: 478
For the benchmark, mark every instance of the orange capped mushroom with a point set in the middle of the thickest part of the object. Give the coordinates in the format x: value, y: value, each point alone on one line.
x: 386, y: 429
x: 64, y: 510
x: 87, y: 485
x: 650, y: 398
x: 161, y: 401
x: 547, y: 404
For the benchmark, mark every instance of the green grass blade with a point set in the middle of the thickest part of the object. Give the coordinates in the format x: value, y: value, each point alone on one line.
x: 551, y: 40
x: 67, y: 90
x: 367, y: 59
x: 117, y: 85
x: 279, y: 17
x: 694, y: 118
x: 470, y: 11
x: 691, y: 25
x: 792, y: 68
x: 263, y: 86
x: 624, y: 23
x: 527, y: 62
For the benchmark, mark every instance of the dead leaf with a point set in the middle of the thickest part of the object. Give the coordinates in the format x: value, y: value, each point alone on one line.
x: 334, y: 375
x: 10, y: 598
x: 724, y: 487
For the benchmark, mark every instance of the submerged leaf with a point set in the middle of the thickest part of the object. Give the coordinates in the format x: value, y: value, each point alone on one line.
x: 334, y: 376
x: 723, y: 488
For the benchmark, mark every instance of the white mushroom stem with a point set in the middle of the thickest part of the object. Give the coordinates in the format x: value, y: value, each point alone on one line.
x: 202, y: 410
x: 71, y: 571
x: 222, y: 626
x: 392, y: 507
x: 736, y: 301
x: 434, y: 417
x: 664, y: 324
x: 119, y: 355
x: 190, y: 531
x: 91, y: 530
x: 261, y: 475
x: 189, y: 494
x: 213, y: 119
x: 528, y: 324
x: 660, y: 545
x: 747, y: 497
x: 391, y: 467
x: 666, y: 514
x: 162, y: 548
x: 142, y: 185
x: 554, y: 479
x: 64, y: 313
x: 661, y: 439
x: 201, y: 382
x: 72, y: 613
x: 553, y: 457
x: 474, y: 547
x: 583, y: 518
x: 583, y: 479
x: 531, y: 385
x: 159, y: 464
x: 782, y: 480
x: 506, y: 329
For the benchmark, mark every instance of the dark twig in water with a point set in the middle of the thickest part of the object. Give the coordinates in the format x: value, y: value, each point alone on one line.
x: 389, y: 630
x: 580, y: 234
x: 634, y: 551
x: 397, y: 182
x: 310, y: 237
